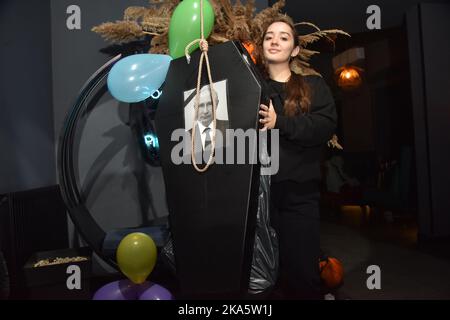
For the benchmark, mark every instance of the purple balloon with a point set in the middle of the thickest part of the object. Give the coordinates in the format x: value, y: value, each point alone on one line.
x: 118, y: 290
x: 155, y: 292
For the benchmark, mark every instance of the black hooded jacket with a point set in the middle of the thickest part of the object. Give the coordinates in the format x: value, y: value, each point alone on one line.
x: 304, y: 136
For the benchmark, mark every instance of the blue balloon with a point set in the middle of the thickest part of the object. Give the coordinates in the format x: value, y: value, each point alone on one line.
x: 138, y: 77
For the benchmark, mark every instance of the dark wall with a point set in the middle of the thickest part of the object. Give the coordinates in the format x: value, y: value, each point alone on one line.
x: 428, y: 25
x: 106, y: 154
x: 349, y: 15
x: 26, y: 117
x: 76, y: 53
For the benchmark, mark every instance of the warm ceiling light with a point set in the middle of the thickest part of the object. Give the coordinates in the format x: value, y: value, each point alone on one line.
x: 349, y: 77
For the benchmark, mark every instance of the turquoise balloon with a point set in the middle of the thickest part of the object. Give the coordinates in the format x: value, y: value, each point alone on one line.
x: 184, y: 25
x: 137, y: 77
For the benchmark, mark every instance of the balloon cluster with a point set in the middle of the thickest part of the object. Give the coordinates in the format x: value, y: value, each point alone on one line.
x: 138, y: 77
x: 136, y: 258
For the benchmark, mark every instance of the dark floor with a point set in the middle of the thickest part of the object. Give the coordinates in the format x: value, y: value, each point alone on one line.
x: 408, y: 270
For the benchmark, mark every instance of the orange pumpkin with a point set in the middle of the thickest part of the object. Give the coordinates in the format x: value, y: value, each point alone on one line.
x: 331, y: 272
x: 250, y: 47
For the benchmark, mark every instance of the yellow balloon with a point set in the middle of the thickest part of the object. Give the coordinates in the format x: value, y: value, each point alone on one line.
x: 136, y: 256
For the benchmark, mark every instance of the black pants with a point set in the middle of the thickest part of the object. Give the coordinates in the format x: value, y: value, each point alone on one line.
x: 295, y: 217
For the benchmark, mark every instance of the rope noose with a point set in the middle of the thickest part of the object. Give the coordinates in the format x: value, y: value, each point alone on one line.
x: 204, y: 48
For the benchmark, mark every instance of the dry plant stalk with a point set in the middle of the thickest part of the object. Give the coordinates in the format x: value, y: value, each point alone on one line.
x: 232, y: 22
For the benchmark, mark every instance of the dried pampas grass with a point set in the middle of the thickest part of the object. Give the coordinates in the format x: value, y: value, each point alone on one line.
x: 232, y: 22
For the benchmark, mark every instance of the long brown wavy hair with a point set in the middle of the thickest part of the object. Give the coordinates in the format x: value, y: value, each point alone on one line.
x: 298, y: 92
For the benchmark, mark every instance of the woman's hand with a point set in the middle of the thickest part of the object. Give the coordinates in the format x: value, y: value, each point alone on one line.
x: 269, y: 116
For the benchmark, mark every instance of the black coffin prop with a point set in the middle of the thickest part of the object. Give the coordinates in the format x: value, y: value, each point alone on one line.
x: 212, y: 214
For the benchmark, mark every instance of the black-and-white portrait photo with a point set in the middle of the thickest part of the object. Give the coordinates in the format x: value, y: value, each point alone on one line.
x: 204, y: 121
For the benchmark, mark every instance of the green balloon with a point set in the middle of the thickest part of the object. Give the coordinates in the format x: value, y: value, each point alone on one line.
x: 185, y: 25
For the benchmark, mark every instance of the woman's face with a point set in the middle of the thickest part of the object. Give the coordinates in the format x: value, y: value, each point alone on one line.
x: 278, y: 43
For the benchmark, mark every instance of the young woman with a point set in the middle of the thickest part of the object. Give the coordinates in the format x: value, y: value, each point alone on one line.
x: 303, y: 110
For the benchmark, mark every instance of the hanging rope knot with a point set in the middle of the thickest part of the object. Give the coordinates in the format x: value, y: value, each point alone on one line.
x: 203, y: 45
x: 203, y: 48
